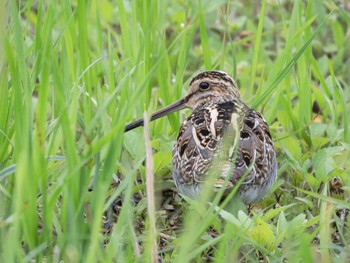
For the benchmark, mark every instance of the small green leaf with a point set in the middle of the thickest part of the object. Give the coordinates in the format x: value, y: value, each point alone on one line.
x: 292, y: 148
x: 161, y: 160
x: 323, y: 160
x: 263, y: 234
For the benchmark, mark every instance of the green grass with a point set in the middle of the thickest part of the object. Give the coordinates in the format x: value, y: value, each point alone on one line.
x: 73, y: 187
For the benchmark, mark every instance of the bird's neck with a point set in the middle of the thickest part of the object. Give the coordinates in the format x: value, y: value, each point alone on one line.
x: 211, y: 102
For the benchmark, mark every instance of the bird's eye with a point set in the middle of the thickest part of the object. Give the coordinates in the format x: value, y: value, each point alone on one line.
x: 204, y: 85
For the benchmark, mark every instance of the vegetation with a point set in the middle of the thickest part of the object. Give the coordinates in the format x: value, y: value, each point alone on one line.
x: 74, y: 187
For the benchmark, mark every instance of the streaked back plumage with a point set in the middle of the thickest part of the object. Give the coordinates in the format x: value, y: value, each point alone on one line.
x: 224, y: 132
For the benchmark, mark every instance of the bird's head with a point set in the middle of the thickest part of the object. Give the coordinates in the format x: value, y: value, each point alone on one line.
x: 206, y: 87
x: 211, y: 85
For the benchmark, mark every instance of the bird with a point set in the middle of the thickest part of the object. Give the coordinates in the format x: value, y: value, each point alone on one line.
x: 222, y: 136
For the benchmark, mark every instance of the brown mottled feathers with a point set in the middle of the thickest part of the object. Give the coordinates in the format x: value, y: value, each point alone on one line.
x: 222, y: 137
x: 206, y: 136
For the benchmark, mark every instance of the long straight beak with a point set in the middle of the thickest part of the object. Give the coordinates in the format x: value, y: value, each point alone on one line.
x: 178, y: 105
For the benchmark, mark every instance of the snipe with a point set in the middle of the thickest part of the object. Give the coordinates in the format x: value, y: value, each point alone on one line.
x: 222, y: 136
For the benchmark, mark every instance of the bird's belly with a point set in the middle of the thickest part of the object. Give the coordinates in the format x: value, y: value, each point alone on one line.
x: 188, y: 189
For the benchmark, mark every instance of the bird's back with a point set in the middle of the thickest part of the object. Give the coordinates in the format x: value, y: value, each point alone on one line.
x: 229, y: 140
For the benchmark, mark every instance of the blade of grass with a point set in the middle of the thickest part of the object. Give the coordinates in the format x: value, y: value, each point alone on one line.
x: 204, y: 38
x: 257, y: 44
x: 275, y: 78
x: 152, y: 236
